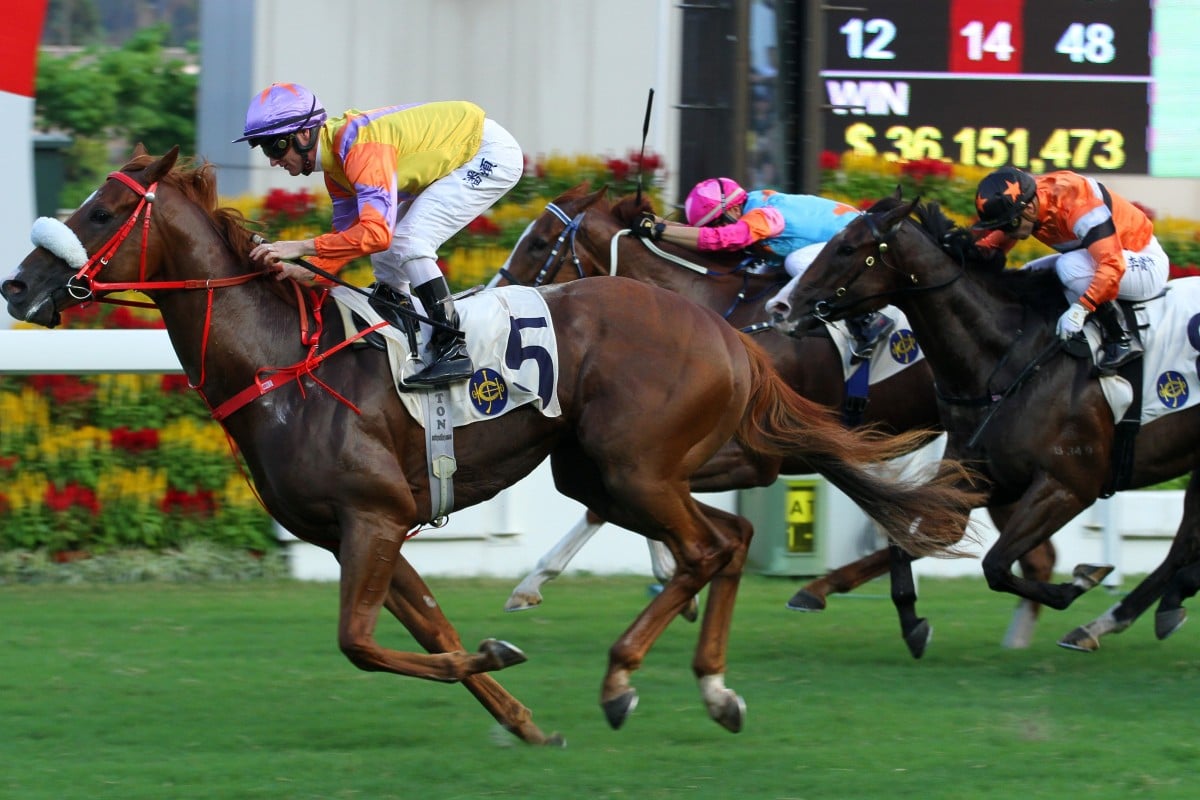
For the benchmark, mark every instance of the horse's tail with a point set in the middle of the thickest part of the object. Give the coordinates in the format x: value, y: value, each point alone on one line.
x: 924, y: 518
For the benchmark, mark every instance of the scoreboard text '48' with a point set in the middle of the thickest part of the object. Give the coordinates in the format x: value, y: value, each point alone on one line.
x: 1058, y: 84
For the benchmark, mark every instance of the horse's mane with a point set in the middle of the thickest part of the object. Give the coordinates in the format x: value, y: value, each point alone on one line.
x: 1039, y: 290
x: 628, y: 208
x: 198, y: 182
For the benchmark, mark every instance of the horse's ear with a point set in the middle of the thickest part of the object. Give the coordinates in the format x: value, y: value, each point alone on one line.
x: 596, y: 195
x: 898, y: 194
x: 156, y: 170
x: 139, y: 149
x: 902, y: 211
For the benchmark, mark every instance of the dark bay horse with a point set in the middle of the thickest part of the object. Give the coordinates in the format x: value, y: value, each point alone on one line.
x: 650, y: 386
x: 581, y: 233
x: 1032, y: 418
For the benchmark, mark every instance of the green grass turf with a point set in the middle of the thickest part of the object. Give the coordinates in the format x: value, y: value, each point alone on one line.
x: 239, y: 691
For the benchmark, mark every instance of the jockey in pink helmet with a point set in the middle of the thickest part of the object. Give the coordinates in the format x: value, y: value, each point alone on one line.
x: 712, y: 198
x: 782, y: 229
x: 403, y: 179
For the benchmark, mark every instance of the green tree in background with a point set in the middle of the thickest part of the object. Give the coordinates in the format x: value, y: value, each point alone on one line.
x: 107, y: 99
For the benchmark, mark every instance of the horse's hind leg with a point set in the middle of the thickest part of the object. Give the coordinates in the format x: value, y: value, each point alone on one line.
x: 527, y: 593
x: 662, y: 564
x: 1171, y: 614
x: 1036, y: 565
x: 1184, y: 551
x: 410, y: 600
x: 812, y: 596
x: 724, y: 705
x: 915, y: 630
x: 707, y: 543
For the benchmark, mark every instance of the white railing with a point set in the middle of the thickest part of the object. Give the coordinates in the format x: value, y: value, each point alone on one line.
x: 507, y: 535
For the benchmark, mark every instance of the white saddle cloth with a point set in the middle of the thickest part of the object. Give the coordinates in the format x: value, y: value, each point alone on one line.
x: 512, y: 345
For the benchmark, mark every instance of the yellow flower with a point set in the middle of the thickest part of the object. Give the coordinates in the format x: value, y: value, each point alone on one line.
x: 27, y: 489
x: 143, y: 486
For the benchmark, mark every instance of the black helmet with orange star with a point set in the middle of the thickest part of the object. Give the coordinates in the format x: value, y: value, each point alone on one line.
x: 1001, y: 198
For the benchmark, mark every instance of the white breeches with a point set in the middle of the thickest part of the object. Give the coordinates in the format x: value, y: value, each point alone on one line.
x: 425, y: 222
x: 1145, y: 272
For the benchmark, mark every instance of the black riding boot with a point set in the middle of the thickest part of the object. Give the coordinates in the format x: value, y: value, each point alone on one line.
x: 1119, y: 345
x: 867, y: 329
x: 449, y: 347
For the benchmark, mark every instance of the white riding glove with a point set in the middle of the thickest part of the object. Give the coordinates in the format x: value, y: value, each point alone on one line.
x: 1072, y: 321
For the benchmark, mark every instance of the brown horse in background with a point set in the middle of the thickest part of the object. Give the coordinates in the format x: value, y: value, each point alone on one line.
x: 650, y: 386
x: 1032, y: 418
x: 581, y: 235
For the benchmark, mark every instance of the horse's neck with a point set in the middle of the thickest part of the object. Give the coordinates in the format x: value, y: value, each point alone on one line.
x: 635, y: 260
x: 249, y: 327
x: 963, y: 331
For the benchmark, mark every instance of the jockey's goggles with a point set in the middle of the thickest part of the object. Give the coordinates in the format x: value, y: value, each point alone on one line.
x: 274, y: 147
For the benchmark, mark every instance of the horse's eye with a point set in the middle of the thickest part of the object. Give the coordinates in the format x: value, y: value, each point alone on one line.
x: 845, y: 250
x: 100, y: 216
x: 538, y: 243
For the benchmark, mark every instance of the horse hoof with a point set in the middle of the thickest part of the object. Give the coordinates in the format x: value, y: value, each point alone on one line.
x: 691, y: 612
x: 1080, y: 640
x: 618, y: 709
x: 1167, y: 622
x: 522, y: 602
x: 1089, y: 576
x: 805, y: 600
x: 919, y: 637
x: 731, y: 714
x: 501, y: 654
x: 1020, y: 629
x: 555, y: 739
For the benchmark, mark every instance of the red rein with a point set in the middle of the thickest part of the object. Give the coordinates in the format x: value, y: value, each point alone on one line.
x: 266, y: 379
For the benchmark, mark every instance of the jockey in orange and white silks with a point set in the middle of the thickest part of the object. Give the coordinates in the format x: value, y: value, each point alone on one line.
x: 1106, y: 246
x: 403, y: 179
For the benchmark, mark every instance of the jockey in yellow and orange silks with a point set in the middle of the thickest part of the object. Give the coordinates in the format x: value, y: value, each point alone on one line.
x: 1106, y: 247
x: 403, y: 180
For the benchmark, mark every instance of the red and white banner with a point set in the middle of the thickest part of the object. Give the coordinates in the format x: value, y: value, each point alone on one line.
x: 19, y: 36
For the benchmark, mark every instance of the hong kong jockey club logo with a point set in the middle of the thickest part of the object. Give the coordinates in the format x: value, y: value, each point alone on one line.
x: 1172, y: 389
x: 903, y: 346
x: 488, y: 391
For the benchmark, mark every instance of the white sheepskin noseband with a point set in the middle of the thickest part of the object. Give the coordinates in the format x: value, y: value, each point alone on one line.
x: 56, y: 237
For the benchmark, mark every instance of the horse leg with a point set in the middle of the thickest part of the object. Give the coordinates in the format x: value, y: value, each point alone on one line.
x: 662, y: 563
x: 368, y: 563
x: 1045, y: 507
x: 1184, y: 552
x: 724, y: 705
x: 1171, y: 614
x: 1036, y: 565
x: 410, y: 601
x: 705, y: 542
x: 528, y: 593
x: 812, y: 596
x: 913, y: 629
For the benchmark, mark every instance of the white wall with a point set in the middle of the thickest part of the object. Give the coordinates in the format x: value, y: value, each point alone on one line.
x: 569, y: 77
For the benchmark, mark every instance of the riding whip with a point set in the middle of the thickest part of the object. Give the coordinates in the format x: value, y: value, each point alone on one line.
x: 642, y: 154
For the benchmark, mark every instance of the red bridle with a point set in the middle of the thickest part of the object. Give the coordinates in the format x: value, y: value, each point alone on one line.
x: 102, y: 256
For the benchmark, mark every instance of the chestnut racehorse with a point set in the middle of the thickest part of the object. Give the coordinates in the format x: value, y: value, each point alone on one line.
x: 649, y: 386
x: 1033, y: 418
x: 580, y: 234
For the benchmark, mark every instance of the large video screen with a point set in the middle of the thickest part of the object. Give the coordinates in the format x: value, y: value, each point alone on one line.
x: 1089, y: 85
